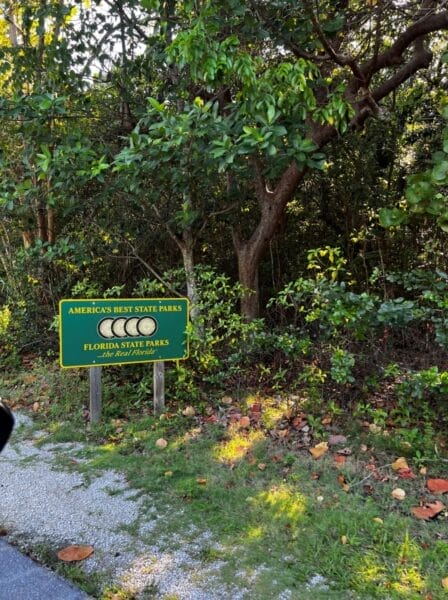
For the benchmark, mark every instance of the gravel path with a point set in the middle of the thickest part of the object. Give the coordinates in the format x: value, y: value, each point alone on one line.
x: 41, y: 504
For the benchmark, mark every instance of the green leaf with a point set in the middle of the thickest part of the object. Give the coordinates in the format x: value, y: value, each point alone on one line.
x: 334, y: 25
x: 271, y: 113
x: 440, y: 171
x: 391, y: 217
x: 150, y: 4
x: 442, y: 222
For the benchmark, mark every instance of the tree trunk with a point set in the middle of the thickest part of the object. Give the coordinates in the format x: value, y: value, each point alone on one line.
x: 250, y: 252
x: 187, y: 249
x: 248, y: 278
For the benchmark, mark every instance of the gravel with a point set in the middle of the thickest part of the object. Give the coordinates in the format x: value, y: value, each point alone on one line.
x: 42, y: 504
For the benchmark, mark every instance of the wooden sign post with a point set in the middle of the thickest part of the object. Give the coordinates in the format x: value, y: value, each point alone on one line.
x: 95, y: 394
x: 159, y: 388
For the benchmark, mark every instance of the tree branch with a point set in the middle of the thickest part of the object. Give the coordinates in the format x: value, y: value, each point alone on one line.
x: 421, y: 59
x: 343, y: 60
x: 394, y: 55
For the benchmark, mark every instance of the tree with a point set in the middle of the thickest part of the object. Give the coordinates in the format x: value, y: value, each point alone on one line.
x: 288, y: 77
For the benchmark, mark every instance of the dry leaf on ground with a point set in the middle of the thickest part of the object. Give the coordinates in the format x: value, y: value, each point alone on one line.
x: 406, y: 474
x: 201, y: 481
x: 437, y: 486
x: 244, y: 422
x: 75, y: 553
x: 343, y: 483
x: 429, y: 511
x: 400, y: 463
x: 319, y: 450
x: 189, y: 411
x: 161, y: 443
x: 398, y: 494
x: 445, y: 583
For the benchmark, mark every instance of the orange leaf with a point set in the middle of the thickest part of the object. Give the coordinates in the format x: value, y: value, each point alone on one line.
x: 343, y: 483
x: 437, y: 486
x: 406, y: 474
x: 319, y: 450
x: 75, y: 553
x: 339, y: 459
x: 201, y: 481
x: 244, y: 422
x: 429, y: 511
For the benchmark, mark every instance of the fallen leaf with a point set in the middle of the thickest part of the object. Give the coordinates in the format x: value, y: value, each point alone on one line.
x: 343, y: 483
x: 36, y: 406
x: 168, y: 473
x: 201, y: 481
x: 161, y: 443
x: 400, y: 463
x: 256, y: 407
x: 319, y: 450
x: 189, y: 411
x: 428, y: 511
x: 437, y: 486
x: 327, y: 420
x: 262, y: 466
x: 378, y: 520
x: 75, y: 553
x: 315, y: 476
x: 398, y: 494
x: 423, y: 471
x: 363, y: 448
x: 445, y: 583
x: 406, y: 474
x: 320, y: 498
x: 282, y: 433
x: 339, y: 459
x: 227, y: 400
x: 334, y: 440
x: 344, y: 539
x: 244, y: 422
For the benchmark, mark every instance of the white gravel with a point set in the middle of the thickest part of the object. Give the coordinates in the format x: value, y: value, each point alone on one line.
x: 43, y: 504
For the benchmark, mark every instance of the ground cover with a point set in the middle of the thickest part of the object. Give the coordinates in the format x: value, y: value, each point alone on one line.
x: 293, y: 505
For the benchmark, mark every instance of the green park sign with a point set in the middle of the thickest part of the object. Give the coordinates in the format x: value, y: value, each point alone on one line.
x: 110, y: 332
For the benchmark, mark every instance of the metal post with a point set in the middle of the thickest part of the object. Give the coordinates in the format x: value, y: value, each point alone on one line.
x: 159, y: 387
x: 95, y: 394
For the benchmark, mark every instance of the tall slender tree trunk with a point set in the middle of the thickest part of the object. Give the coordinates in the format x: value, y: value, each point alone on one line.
x: 187, y: 250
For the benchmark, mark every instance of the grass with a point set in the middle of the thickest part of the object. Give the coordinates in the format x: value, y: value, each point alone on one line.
x: 277, y: 518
